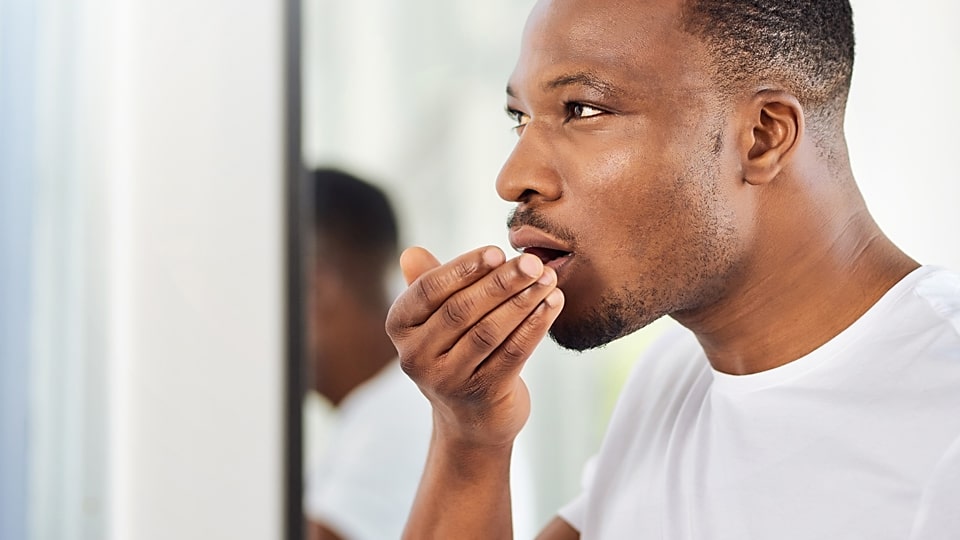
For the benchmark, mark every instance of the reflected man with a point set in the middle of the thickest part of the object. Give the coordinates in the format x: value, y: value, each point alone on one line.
x: 364, y: 482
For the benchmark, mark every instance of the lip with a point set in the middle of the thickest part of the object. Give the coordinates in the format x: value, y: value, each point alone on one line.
x: 526, y: 238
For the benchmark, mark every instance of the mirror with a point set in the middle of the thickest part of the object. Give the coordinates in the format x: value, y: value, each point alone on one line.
x: 409, y: 96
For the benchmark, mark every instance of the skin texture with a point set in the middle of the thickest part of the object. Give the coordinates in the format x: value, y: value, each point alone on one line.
x: 724, y: 212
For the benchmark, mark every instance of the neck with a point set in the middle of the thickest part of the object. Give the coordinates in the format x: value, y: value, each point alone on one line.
x: 366, y: 349
x: 820, y: 273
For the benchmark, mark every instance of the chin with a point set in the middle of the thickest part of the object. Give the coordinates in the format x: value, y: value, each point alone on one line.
x: 613, y: 319
x: 588, y: 333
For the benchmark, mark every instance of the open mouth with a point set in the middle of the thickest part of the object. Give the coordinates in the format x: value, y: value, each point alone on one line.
x: 546, y: 254
x: 548, y: 249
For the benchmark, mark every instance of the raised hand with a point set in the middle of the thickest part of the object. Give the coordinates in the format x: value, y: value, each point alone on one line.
x: 463, y: 331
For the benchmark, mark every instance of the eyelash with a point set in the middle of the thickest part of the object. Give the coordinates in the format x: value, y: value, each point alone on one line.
x: 571, y: 108
x: 517, y: 117
x: 573, y: 105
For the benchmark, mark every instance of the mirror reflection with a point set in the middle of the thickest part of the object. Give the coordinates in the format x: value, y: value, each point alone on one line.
x: 408, y: 98
x: 363, y: 471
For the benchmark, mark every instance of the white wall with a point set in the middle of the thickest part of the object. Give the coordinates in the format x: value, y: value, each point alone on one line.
x: 197, y: 320
x: 901, y: 122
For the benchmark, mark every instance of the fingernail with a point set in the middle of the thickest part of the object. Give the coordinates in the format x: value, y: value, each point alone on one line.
x: 547, y: 277
x: 554, y: 299
x: 530, y: 265
x: 492, y: 257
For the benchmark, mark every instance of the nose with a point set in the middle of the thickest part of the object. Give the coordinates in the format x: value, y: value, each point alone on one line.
x: 531, y: 172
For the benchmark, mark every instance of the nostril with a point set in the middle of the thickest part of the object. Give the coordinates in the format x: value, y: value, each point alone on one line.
x: 529, y: 174
x: 526, y: 195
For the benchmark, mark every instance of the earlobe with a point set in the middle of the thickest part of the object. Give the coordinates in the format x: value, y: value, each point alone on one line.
x: 774, y: 130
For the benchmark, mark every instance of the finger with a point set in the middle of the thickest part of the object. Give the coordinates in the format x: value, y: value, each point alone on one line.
x: 512, y: 354
x: 493, y: 330
x: 506, y: 284
x: 415, y: 261
x: 500, y: 370
x: 431, y: 288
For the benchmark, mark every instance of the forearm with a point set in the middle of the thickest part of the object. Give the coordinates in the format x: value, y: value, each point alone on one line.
x: 463, y: 331
x: 464, y: 493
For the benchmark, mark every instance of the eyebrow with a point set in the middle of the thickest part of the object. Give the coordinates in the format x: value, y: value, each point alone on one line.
x: 574, y: 79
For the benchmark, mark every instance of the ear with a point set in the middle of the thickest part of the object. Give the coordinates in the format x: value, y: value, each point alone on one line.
x: 772, y: 132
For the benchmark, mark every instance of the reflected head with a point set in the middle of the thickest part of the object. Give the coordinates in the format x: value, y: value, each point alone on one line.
x: 355, y: 231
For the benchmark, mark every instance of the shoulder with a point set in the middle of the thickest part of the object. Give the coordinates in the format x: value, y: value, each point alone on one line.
x: 939, y: 290
x: 919, y: 317
x: 386, y: 392
x: 388, y: 406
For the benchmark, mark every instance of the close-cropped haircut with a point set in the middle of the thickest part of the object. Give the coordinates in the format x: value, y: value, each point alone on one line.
x: 354, y: 224
x: 805, y: 45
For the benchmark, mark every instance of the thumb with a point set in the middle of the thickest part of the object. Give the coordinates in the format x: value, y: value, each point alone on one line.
x: 415, y: 261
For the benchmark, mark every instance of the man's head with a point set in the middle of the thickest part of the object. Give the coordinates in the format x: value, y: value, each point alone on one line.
x: 654, y: 139
x: 354, y: 234
x: 353, y: 248
x: 805, y: 47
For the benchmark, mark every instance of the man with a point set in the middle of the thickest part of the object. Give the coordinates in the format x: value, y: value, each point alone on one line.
x: 364, y: 483
x: 687, y: 158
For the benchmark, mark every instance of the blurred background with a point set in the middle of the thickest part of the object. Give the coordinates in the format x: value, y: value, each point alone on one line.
x: 145, y: 268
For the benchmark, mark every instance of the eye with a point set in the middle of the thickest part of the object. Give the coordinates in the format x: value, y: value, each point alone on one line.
x: 519, y: 118
x: 579, y: 110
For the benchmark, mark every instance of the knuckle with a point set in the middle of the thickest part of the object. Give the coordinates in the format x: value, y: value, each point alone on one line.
x: 521, y: 301
x: 392, y: 325
x: 500, y: 283
x: 514, y: 350
x: 426, y: 288
x: 454, y: 312
x: 410, y: 365
x: 521, y: 342
x: 397, y: 330
x: 432, y: 377
x: 464, y: 268
x: 484, y: 337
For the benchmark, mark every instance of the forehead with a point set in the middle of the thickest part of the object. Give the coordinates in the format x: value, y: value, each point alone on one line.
x: 628, y: 43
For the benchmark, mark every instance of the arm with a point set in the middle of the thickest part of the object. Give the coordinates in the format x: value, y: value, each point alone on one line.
x: 463, y: 331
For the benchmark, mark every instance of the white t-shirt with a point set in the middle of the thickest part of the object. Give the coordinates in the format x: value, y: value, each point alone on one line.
x: 843, y: 443
x: 363, y: 485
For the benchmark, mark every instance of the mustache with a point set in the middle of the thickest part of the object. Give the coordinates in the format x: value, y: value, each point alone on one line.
x: 531, y: 218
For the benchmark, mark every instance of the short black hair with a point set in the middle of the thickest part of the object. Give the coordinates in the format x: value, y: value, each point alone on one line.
x: 807, y: 45
x: 354, y: 223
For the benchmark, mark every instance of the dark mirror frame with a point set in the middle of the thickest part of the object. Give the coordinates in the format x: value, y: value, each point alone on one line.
x: 297, y: 210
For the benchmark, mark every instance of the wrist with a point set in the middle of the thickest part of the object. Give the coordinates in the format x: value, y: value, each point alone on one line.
x: 469, y: 457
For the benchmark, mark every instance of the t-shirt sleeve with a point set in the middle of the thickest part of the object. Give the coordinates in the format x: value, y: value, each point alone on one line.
x: 364, y: 485
x: 575, y: 511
